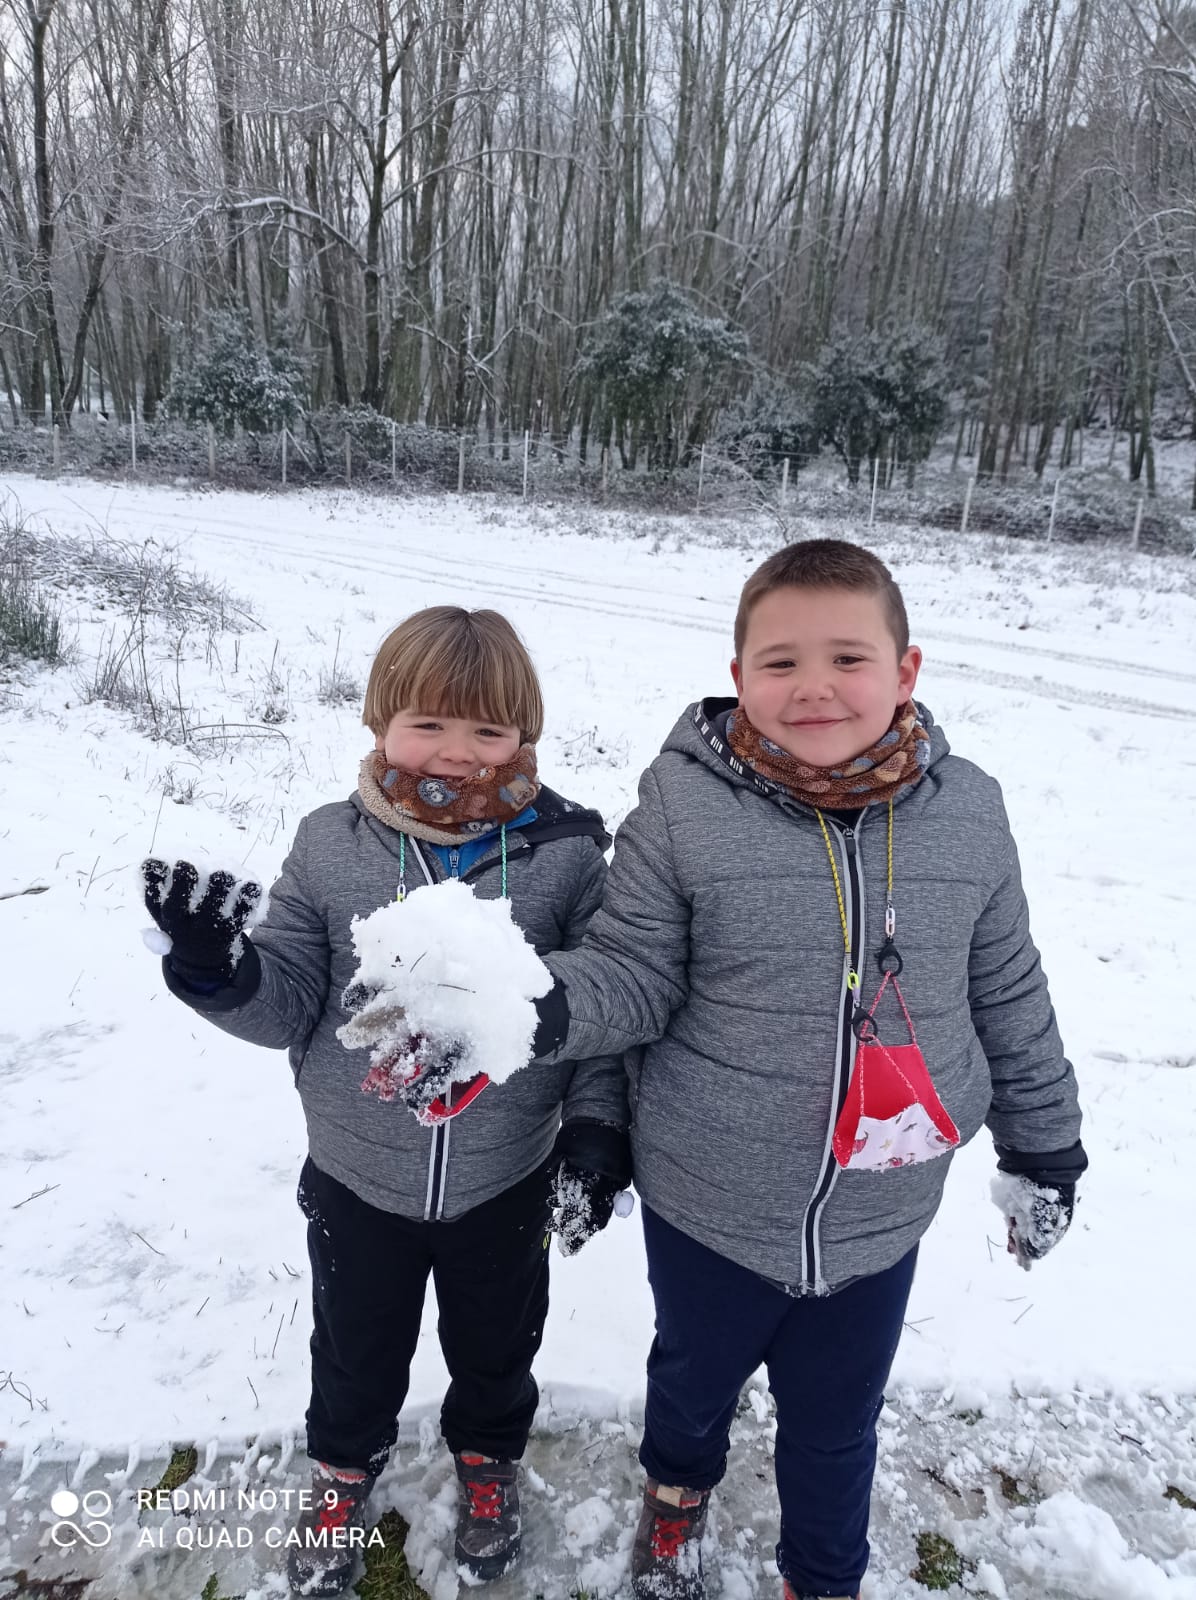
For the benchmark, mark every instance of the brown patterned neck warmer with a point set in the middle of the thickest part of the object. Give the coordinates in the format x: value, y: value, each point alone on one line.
x: 448, y: 810
x: 885, y: 772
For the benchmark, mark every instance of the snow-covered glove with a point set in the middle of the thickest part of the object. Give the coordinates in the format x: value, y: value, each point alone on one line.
x: 589, y: 1182
x: 205, y: 921
x: 1035, y: 1191
x: 373, y: 1016
x: 423, y: 1073
x: 1037, y: 1215
x: 583, y: 1204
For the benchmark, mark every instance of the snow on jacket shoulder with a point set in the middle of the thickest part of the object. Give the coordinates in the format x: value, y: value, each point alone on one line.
x: 718, y: 954
x: 287, y: 995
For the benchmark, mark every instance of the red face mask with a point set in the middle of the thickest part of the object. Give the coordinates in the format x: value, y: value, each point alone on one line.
x: 892, y: 1116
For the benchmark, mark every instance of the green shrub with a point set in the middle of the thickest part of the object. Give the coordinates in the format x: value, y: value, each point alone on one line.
x: 30, y: 628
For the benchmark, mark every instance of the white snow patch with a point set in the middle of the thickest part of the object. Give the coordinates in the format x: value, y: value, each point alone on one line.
x: 586, y: 1523
x: 1072, y: 1542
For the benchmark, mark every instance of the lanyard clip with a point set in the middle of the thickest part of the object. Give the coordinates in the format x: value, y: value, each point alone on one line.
x: 890, y: 921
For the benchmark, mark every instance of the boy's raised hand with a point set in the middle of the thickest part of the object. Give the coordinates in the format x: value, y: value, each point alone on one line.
x: 204, y: 920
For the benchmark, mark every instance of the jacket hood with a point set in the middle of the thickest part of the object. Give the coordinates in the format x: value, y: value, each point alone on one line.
x: 558, y: 818
x: 700, y: 732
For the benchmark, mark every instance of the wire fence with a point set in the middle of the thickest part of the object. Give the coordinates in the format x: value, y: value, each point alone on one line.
x: 365, y: 450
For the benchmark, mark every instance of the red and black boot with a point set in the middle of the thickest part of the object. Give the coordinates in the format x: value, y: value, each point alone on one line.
x: 488, y: 1528
x: 666, y: 1558
x: 323, y: 1546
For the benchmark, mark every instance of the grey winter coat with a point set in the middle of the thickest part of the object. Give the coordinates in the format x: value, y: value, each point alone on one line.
x: 287, y: 995
x: 718, y: 954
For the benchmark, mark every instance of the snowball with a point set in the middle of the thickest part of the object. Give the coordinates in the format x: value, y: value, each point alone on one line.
x: 455, y: 969
x: 156, y: 940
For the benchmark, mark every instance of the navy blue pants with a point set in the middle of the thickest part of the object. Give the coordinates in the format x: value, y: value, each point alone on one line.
x: 828, y: 1360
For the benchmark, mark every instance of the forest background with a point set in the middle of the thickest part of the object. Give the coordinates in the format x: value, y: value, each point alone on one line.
x: 626, y: 230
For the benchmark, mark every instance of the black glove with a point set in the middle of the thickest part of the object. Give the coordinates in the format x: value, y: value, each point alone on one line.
x: 552, y: 1021
x: 206, y: 930
x: 583, y: 1204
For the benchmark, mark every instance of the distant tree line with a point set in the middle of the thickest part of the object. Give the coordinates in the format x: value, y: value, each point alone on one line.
x: 621, y: 224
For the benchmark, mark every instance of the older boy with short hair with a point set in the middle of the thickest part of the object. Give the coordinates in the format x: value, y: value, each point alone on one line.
x: 815, y: 944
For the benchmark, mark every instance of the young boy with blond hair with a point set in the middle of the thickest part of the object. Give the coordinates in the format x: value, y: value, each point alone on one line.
x: 450, y: 789
x: 815, y: 946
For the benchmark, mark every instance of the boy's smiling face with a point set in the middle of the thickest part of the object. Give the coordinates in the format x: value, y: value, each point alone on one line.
x: 819, y: 672
x: 446, y: 747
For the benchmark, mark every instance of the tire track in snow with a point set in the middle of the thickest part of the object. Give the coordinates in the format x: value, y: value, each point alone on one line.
x: 451, y: 572
x: 243, y: 536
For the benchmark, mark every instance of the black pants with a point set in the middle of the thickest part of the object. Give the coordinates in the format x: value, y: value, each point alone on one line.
x: 369, y: 1273
x: 827, y: 1360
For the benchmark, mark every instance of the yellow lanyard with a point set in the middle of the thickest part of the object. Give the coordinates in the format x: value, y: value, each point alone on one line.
x: 853, y: 977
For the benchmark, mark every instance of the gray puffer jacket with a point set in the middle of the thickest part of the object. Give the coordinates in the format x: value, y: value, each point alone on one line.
x: 718, y: 954
x: 287, y: 995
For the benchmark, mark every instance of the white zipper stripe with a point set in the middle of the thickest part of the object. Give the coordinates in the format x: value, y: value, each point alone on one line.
x: 829, y: 1167
x: 431, y: 1176
x: 446, y: 1129
x: 434, y: 1152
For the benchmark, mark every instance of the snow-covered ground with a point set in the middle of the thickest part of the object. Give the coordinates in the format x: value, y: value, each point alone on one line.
x: 153, y: 1280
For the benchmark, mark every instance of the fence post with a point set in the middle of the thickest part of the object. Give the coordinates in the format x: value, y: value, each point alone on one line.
x: 348, y: 458
x: 526, y: 445
x: 461, y: 465
x: 133, y: 433
x: 784, y: 482
x: 875, y: 482
x: 393, y: 473
x: 701, y: 472
x: 211, y: 449
x: 605, y: 469
x: 1054, y: 508
x: 57, y: 448
x: 1137, y: 522
x: 967, y: 505
x: 284, y: 455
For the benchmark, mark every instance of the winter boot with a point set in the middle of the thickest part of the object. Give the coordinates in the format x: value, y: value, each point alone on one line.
x: 666, y: 1558
x: 487, y: 1516
x: 324, y: 1543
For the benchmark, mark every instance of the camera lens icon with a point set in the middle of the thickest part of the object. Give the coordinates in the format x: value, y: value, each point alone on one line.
x: 95, y: 1505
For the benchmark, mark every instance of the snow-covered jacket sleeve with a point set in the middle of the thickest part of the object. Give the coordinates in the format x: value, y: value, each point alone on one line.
x: 629, y: 975
x: 1035, y: 1106
x: 281, y: 985
x: 597, y: 1089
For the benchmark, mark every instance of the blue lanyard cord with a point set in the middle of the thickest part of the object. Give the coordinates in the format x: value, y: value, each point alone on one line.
x: 401, y: 892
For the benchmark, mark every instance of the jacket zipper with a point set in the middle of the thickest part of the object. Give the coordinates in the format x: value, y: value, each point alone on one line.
x: 845, y: 1049
x: 438, y: 1155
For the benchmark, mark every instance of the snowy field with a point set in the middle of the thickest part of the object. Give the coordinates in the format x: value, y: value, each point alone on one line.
x: 153, y: 1279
